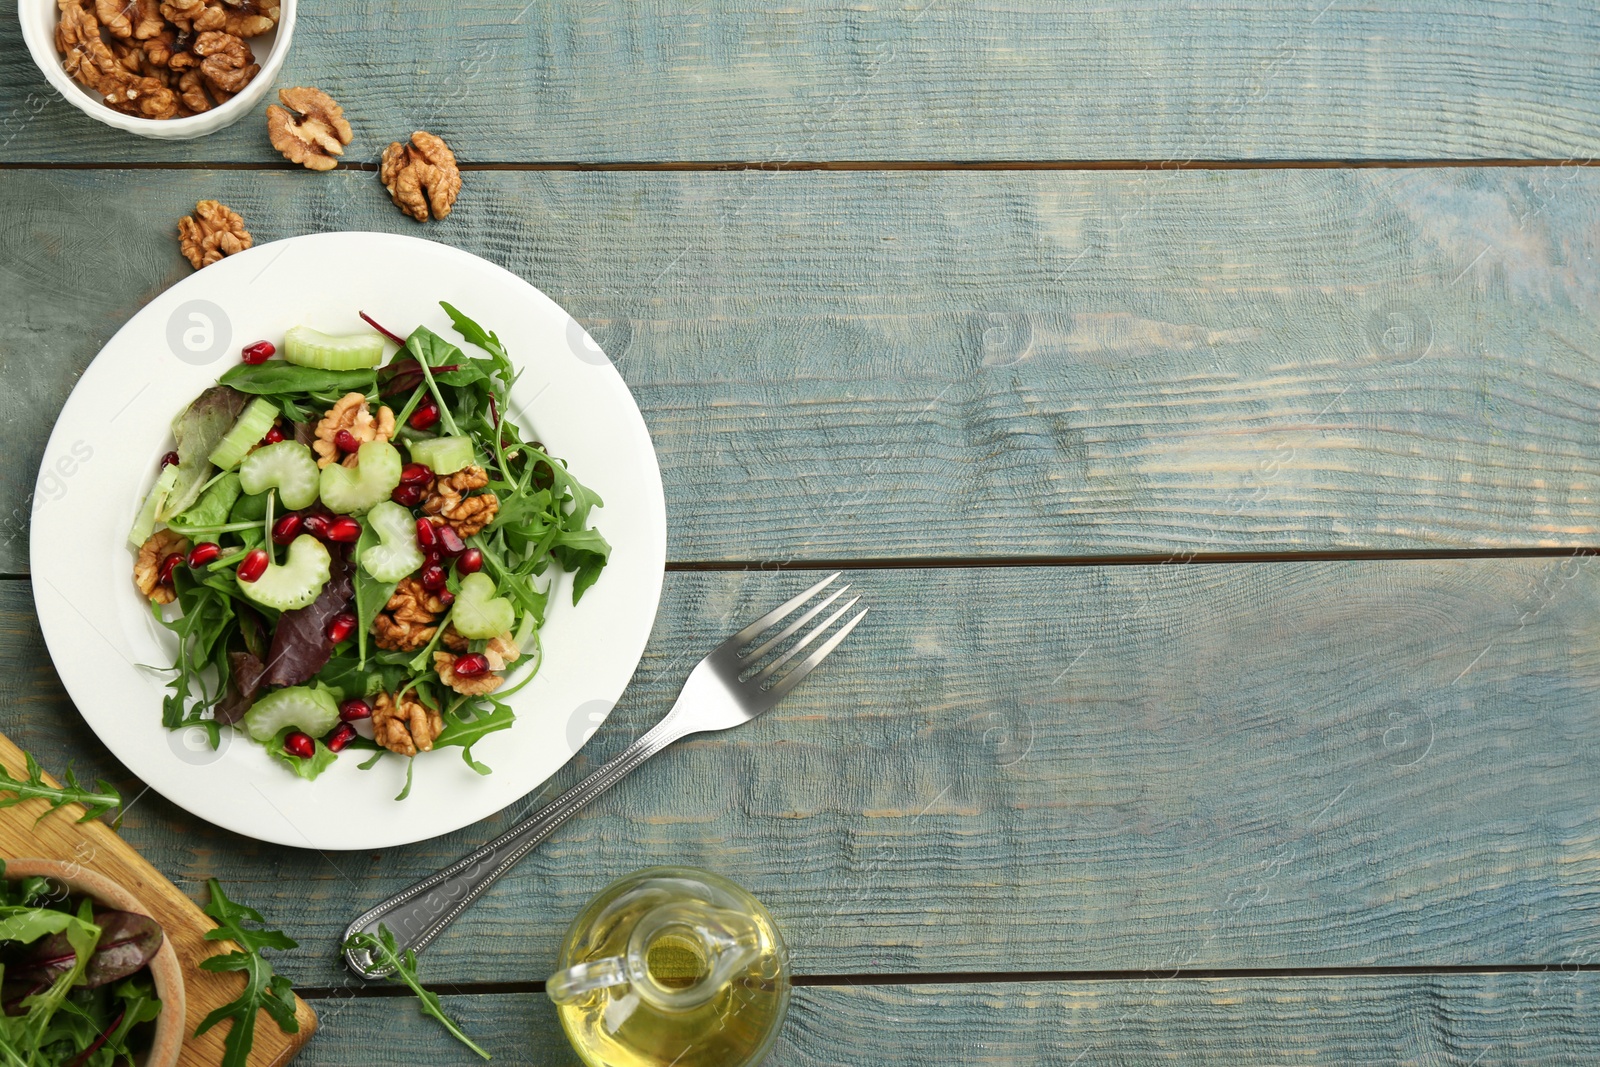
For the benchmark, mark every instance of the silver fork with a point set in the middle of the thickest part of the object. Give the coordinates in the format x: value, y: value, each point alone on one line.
x: 728, y: 688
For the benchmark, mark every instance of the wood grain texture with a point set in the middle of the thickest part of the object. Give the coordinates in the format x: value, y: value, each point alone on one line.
x: 1018, y: 769
x: 1536, y: 1019
x: 872, y: 365
x: 566, y: 80
x: 877, y: 365
x: 31, y: 831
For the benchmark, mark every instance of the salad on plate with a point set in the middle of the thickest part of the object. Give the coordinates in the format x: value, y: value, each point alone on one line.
x: 356, y: 553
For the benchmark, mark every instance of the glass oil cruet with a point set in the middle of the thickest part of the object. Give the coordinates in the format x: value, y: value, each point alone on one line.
x: 672, y: 965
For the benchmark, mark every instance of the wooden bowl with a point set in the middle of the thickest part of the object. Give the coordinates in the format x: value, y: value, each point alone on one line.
x: 164, y: 968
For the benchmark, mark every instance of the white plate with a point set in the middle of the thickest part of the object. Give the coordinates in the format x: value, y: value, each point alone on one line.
x: 103, y: 455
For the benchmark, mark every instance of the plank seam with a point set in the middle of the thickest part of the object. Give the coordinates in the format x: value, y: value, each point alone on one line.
x: 1004, y: 978
x: 932, y: 165
x: 1166, y: 559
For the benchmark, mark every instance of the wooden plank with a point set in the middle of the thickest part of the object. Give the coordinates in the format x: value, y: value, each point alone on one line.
x: 1415, y: 1020
x: 854, y: 365
x: 30, y: 832
x: 565, y: 80
x: 1046, y: 769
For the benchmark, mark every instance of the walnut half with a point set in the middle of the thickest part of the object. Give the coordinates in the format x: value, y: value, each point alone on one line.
x: 309, y: 129
x: 213, y: 231
x: 147, y: 568
x: 350, y: 413
x: 449, y: 502
x: 421, y: 176
x: 406, y: 727
x: 476, y: 686
x: 409, y: 619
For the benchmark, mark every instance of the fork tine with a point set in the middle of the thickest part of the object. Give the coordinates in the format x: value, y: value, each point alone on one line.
x: 792, y: 679
x: 748, y: 634
x: 816, y: 632
x: 755, y: 654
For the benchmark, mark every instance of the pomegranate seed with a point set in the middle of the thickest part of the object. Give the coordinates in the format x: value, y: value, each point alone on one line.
x: 340, y: 627
x: 409, y: 495
x: 341, y: 736
x: 299, y: 744
x: 287, y: 528
x: 353, y: 709
x: 168, y: 563
x: 254, y: 565
x: 433, y: 577
x: 203, y: 553
x: 259, y: 352
x: 472, y: 664
x: 346, y: 441
x: 433, y: 555
x: 426, y: 537
x: 426, y: 414
x: 471, y: 562
x: 316, y: 524
x: 446, y: 597
x: 410, y: 474
x: 450, y: 542
x: 272, y: 436
x: 169, y: 459
x: 343, y: 528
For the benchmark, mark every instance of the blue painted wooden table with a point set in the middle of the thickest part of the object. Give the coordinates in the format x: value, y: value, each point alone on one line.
x: 1205, y: 397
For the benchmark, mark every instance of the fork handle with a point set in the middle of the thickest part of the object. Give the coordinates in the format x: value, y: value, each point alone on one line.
x: 419, y: 914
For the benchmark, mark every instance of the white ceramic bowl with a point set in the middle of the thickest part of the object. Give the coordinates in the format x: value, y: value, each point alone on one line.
x: 39, y: 18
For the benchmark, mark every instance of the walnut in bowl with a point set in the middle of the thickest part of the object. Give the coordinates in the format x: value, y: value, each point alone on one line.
x: 165, y: 69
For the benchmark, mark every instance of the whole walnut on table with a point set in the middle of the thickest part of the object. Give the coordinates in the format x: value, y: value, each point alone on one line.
x: 421, y: 176
x: 309, y: 129
x: 213, y: 231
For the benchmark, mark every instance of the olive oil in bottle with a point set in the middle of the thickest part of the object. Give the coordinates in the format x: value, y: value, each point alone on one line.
x: 672, y: 966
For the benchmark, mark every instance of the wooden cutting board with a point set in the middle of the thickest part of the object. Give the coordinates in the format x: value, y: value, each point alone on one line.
x: 94, y: 845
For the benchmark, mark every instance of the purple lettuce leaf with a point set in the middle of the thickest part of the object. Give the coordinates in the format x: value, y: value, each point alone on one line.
x: 244, y: 682
x: 128, y: 942
x: 300, y: 645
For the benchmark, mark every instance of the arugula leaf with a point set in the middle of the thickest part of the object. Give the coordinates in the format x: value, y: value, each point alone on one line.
x: 139, y: 1005
x: 428, y: 349
x: 584, y: 553
x: 386, y: 955
x: 484, y: 339
x: 203, y: 629
x: 263, y: 989
x: 96, y: 801
x: 467, y: 732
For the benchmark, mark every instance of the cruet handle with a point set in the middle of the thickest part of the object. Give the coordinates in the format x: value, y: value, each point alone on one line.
x: 578, y: 981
